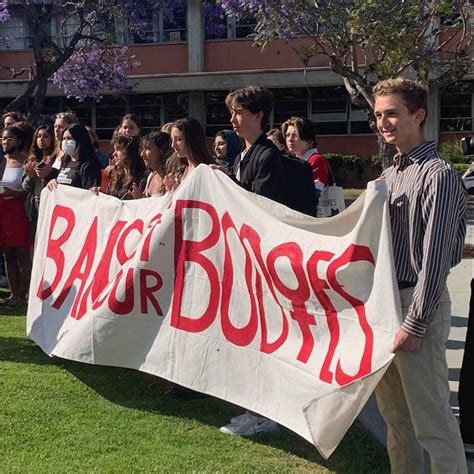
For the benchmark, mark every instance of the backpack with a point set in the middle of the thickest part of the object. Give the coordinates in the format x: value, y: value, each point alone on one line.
x: 298, y: 191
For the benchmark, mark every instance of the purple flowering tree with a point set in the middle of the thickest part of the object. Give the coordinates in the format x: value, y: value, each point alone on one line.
x: 82, y: 56
x: 366, y: 41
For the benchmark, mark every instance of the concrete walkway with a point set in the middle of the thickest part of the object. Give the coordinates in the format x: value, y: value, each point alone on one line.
x: 459, y: 288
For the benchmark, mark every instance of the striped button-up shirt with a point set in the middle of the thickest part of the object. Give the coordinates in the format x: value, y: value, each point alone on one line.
x: 428, y: 215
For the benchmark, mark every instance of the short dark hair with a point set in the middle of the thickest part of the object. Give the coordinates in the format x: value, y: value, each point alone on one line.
x: 305, y: 127
x: 253, y: 98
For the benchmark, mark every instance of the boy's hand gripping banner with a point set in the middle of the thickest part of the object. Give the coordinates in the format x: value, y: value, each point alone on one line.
x: 225, y: 292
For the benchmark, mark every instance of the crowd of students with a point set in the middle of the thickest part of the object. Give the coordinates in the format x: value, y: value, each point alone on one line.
x: 67, y: 152
x: 427, y: 204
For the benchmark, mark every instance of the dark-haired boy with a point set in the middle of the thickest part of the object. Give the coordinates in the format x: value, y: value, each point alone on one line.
x: 258, y: 169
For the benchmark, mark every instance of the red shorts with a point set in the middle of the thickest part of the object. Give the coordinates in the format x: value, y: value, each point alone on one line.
x: 15, y: 230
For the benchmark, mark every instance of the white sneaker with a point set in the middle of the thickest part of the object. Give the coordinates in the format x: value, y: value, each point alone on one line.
x: 250, y: 426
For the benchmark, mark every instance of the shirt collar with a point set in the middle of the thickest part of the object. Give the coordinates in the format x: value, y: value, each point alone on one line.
x: 310, y: 152
x: 416, y: 154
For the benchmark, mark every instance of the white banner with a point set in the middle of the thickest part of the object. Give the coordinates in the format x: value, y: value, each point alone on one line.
x: 225, y: 292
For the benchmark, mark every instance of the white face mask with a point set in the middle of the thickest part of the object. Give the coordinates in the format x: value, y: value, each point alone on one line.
x: 68, y: 146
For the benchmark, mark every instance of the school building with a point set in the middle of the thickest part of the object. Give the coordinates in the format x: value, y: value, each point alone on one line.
x: 186, y: 70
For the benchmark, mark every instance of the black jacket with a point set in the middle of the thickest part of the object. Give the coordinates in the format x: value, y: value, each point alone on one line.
x: 261, y: 169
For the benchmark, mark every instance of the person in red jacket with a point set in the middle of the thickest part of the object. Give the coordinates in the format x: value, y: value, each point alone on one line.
x: 300, y: 136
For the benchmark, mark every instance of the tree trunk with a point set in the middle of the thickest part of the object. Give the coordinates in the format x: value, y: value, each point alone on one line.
x: 40, y: 95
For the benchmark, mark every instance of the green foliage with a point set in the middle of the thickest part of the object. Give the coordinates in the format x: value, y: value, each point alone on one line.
x: 462, y: 167
x: 338, y: 159
x: 452, y: 152
x: 376, y: 160
x: 366, y: 41
x: 352, y: 171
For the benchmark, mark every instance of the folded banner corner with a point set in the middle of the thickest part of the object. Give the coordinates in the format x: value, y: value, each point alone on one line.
x: 329, y: 417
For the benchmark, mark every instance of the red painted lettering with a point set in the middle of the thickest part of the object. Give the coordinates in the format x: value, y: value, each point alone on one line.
x: 298, y: 296
x: 53, y: 248
x: 192, y: 251
x: 80, y: 271
x: 240, y: 336
x: 147, y: 292
x: 354, y: 253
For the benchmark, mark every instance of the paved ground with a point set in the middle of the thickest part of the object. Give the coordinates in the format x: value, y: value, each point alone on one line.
x: 459, y: 289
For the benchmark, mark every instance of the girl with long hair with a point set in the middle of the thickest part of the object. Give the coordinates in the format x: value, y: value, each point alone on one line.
x: 189, y: 143
x: 15, y: 234
x: 38, y: 169
x: 129, y: 125
x: 128, y: 171
x: 155, y: 150
x: 79, y: 164
x: 62, y: 120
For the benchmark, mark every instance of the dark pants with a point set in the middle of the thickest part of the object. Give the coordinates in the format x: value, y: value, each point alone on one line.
x: 466, y: 379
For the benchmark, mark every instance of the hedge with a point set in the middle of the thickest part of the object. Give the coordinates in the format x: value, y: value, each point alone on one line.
x: 352, y: 171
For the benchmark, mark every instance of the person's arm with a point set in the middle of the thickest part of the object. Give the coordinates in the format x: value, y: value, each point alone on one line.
x: 443, y: 208
x: 321, y: 172
x: 28, y: 183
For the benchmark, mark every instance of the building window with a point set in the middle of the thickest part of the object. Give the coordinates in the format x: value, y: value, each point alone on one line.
x: 175, y: 28
x: 289, y: 103
x: 456, y: 108
x: 83, y: 110
x: 358, y: 122
x: 215, y: 21
x: 13, y: 33
x: 149, y: 32
x: 243, y: 28
x: 330, y: 110
x: 148, y: 107
x: 175, y: 106
x: 329, y: 107
x: 217, y: 115
x: 162, y: 27
x: 108, y: 113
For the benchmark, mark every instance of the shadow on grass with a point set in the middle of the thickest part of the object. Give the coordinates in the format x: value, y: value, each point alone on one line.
x: 16, y: 312
x: 22, y: 350
x: 140, y: 391
x: 137, y: 390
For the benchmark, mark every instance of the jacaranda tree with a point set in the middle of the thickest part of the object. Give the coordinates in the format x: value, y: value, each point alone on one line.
x: 83, y: 56
x: 365, y: 41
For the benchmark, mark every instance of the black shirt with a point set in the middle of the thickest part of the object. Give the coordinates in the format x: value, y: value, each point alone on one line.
x: 80, y: 175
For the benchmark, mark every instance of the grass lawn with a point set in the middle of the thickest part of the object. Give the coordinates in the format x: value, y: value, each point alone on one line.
x: 62, y: 416
x: 352, y: 193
